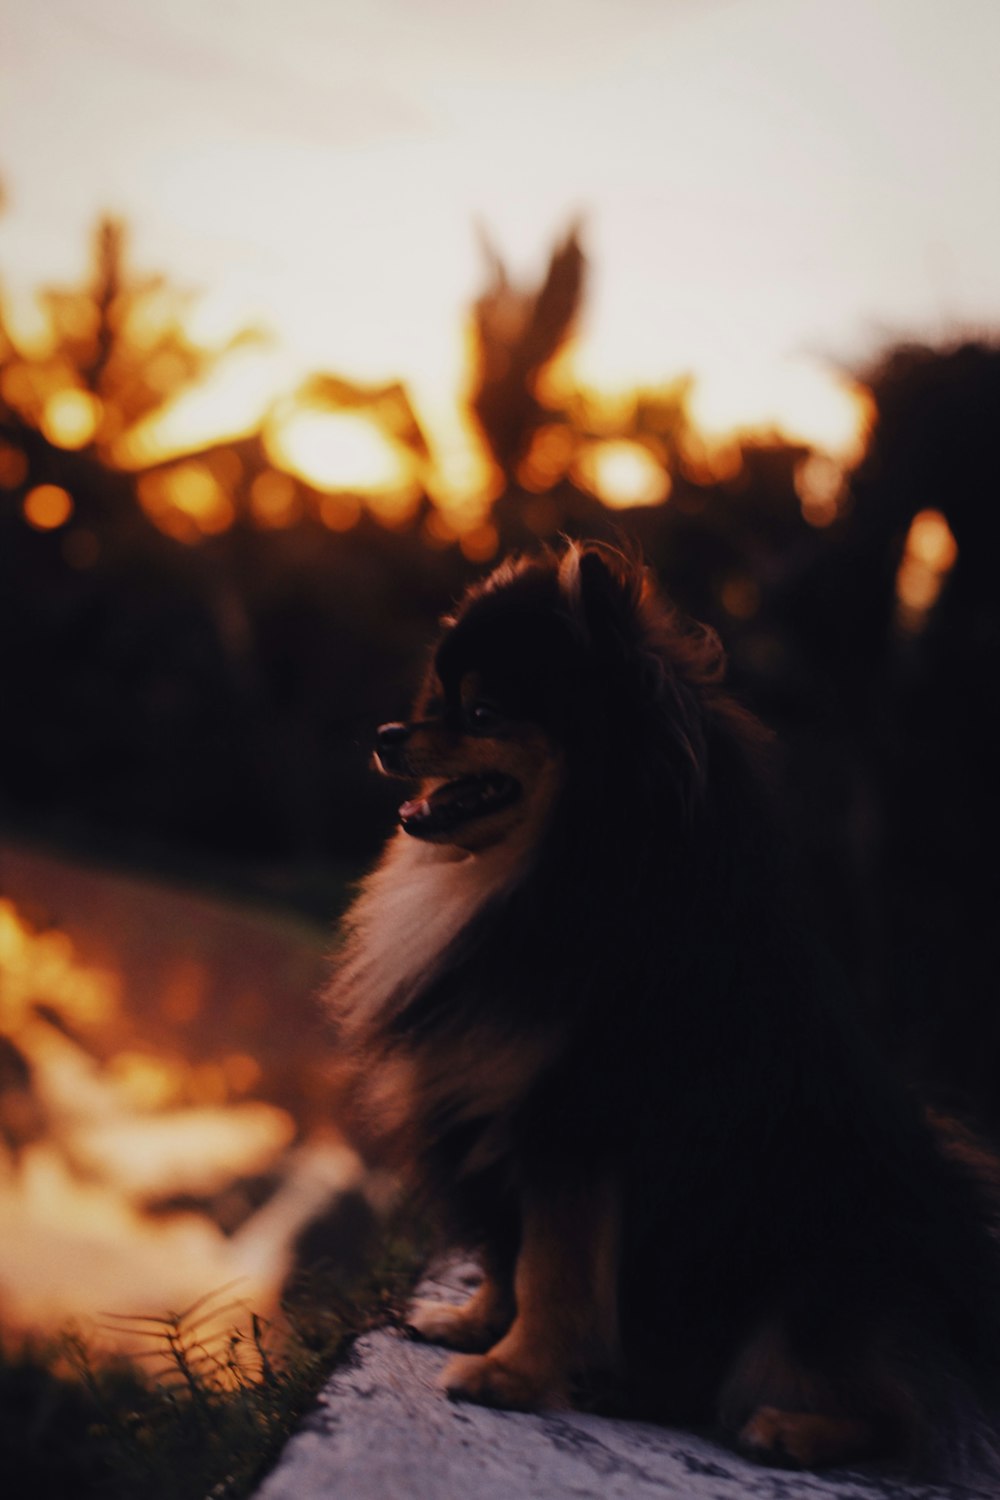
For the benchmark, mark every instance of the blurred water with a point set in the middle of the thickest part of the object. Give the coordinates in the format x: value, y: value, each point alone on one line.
x: 164, y: 1110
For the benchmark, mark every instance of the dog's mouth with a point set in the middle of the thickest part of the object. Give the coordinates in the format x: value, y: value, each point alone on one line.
x: 457, y: 802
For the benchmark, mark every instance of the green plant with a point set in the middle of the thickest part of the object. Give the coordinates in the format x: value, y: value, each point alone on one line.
x: 198, y: 1412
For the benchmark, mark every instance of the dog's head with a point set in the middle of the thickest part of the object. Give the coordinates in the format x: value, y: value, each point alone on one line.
x: 484, y: 770
x: 543, y: 666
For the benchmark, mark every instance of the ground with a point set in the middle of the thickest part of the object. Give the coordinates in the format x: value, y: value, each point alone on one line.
x: 383, y: 1430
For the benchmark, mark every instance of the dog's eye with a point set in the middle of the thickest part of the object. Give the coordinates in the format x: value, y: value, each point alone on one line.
x: 482, y: 715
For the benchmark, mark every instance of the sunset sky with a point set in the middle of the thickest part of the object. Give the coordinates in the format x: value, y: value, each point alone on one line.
x: 764, y: 184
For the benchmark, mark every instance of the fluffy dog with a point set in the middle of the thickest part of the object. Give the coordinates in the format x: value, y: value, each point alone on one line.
x: 584, y: 1017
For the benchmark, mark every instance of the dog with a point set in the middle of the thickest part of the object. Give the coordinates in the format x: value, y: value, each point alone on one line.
x: 584, y: 1018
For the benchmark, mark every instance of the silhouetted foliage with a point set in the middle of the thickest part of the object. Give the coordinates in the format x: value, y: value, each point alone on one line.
x: 118, y: 338
x: 517, y: 334
x: 389, y: 405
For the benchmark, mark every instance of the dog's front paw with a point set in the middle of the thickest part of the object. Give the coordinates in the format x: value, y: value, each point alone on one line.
x: 491, y: 1382
x: 804, y: 1440
x: 444, y: 1323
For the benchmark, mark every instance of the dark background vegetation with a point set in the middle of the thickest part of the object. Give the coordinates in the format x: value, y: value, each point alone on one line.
x: 204, y: 706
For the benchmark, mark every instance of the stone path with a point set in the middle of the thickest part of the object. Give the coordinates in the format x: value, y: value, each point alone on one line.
x: 382, y: 1430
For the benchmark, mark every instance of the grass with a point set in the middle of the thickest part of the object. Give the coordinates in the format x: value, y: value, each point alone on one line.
x: 200, y: 1417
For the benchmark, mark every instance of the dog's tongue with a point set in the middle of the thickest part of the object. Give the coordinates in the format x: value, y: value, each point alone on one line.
x: 418, y: 808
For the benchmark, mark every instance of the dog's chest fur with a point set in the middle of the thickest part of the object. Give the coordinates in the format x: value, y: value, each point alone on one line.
x: 398, y: 938
x: 408, y: 915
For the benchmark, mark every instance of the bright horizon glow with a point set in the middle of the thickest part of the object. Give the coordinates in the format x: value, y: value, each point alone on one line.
x: 798, y: 400
x: 339, y: 450
x: 792, y: 400
x: 229, y: 403
x: 766, y: 186
x: 347, y: 455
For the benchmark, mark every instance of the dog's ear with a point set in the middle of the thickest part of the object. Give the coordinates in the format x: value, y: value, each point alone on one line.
x: 604, y: 590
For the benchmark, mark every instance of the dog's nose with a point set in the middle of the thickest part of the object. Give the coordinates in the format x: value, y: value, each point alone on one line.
x: 391, y: 736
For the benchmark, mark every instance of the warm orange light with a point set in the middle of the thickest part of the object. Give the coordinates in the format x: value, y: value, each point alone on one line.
x: 394, y: 508
x: 710, y: 461
x: 480, y: 544
x: 28, y: 324
x: 187, y: 501
x: 462, y: 480
x: 99, y: 1140
x: 228, y: 403
x: 819, y: 484
x: 274, y: 499
x: 30, y: 387
x: 47, y: 507
x: 622, y: 474
x: 438, y: 530
x: 242, y: 1072
x: 147, y: 1081
x: 558, y: 380
x: 931, y: 543
x: 196, y: 1149
x: 152, y: 316
x: 13, y: 467
x: 340, y: 512
x: 166, y: 371
x: 207, y: 1084
x: 70, y: 418
x: 186, y: 992
x: 928, y: 557
x: 226, y: 466
x: 796, y: 400
x: 19, y: 387
x: 339, y: 450
x: 740, y: 597
x: 547, y: 459
x: 194, y: 489
x: 34, y: 964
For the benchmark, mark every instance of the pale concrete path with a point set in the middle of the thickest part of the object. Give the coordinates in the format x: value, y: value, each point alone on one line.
x: 384, y: 1431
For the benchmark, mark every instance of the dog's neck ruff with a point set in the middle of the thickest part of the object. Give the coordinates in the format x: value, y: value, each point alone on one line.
x: 409, y: 913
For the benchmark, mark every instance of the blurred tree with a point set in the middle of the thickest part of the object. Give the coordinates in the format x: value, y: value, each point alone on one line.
x: 517, y: 333
x: 564, y: 452
x: 116, y: 352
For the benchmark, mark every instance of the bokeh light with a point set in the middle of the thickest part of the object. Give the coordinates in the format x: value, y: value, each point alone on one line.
x: 929, y: 555
x: 47, y: 506
x: 274, y: 500
x: 13, y: 467
x: 820, y: 482
x: 186, y: 501
x: 70, y: 418
x: 338, y: 451
x: 622, y: 474
x: 346, y: 453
